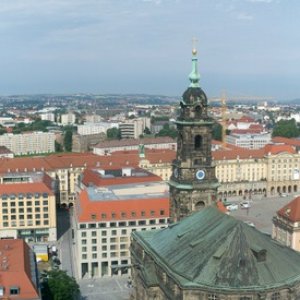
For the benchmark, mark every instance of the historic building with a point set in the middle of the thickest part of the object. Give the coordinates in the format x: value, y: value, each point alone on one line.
x: 209, y: 255
x: 286, y: 225
x: 193, y: 184
x: 212, y: 256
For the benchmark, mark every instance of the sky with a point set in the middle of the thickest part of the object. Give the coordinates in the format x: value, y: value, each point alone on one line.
x: 245, y: 47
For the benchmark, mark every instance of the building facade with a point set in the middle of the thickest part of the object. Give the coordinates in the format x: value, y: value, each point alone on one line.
x: 133, y: 129
x: 29, y: 143
x: 249, y: 141
x: 118, y: 203
x: 28, y: 207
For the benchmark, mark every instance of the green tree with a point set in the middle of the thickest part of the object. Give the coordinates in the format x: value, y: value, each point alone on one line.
x: 58, y: 147
x: 68, y: 140
x: 147, y: 130
x: 168, y: 131
x: 113, y: 133
x: 58, y: 285
x: 217, y: 131
x: 286, y: 128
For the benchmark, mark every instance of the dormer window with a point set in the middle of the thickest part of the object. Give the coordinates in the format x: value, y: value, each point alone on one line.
x: 14, y: 290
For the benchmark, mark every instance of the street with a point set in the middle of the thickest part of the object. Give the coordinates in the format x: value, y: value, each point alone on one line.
x: 261, y: 211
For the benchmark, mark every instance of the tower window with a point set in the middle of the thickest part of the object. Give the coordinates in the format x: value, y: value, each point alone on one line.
x: 198, y: 142
x: 198, y: 111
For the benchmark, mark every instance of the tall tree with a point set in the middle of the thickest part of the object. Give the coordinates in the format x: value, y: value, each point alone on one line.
x: 217, y: 131
x: 113, y: 133
x: 168, y: 131
x: 286, y: 128
x: 68, y: 140
x: 59, y: 286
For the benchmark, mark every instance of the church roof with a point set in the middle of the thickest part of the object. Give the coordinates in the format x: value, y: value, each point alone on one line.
x: 212, y: 249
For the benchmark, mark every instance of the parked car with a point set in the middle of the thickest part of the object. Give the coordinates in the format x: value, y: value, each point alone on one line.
x: 231, y: 206
x: 249, y: 223
x: 245, y: 204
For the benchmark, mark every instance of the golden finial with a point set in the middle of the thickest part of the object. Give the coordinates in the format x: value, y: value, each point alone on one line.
x: 194, y: 41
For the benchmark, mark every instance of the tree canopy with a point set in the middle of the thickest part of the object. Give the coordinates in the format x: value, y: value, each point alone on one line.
x: 168, y: 131
x: 57, y: 285
x: 286, y: 128
x: 217, y: 131
x: 113, y: 133
x: 68, y: 140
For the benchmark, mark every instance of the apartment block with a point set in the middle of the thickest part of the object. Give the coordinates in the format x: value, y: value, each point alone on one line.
x: 111, y: 205
x: 29, y: 142
x: 28, y: 207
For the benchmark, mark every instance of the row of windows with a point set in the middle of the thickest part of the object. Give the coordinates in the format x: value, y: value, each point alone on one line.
x: 124, y: 215
x: 105, y: 247
x: 104, y: 232
x: 123, y: 223
x: 22, y: 196
x: 21, y: 210
x: 22, y: 203
x: 105, y: 255
x: 23, y: 223
x: 22, y: 217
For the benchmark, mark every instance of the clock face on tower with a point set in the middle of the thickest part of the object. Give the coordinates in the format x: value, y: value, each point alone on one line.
x: 200, y: 174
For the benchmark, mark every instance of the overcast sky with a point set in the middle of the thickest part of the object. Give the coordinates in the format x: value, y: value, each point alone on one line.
x: 245, y: 47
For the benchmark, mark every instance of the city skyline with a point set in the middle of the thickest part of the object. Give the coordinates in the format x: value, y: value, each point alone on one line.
x: 246, y: 47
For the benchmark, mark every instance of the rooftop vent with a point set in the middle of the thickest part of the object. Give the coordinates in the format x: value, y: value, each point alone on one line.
x: 259, y: 253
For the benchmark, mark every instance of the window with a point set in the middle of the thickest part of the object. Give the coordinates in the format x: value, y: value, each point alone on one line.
x: 122, y: 224
x: 198, y: 142
x: 113, y: 247
x: 81, y: 226
x: 143, y: 222
x: 132, y: 223
x: 45, y: 202
x: 46, y: 216
x: 94, y: 255
x: 101, y: 225
x: 143, y: 213
x: 14, y: 290
x: 124, y: 231
x: 123, y: 215
x: 93, y: 216
x: 275, y: 296
x: 104, y: 232
x: 13, y: 204
x: 36, y: 202
x: 83, y: 249
x: 94, y: 233
x: 29, y: 217
x: 212, y: 297
x: 114, y: 232
x: 94, y: 248
x: 28, y: 203
x: 83, y: 234
x: 113, y: 224
x: 113, y: 215
x: 94, y: 241
x: 83, y: 242
x: 113, y: 240
x: 162, y: 212
x: 37, y: 209
x: 133, y: 214
x: 37, y: 216
x: 12, y: 210
x: 152, y: 213
x: 36, y: 195
x: 92, y: 225
x: 45, y: 209
x: 21, y: 203
x: 84, y: 256
x: 4, y: 204
x: 103, y: 216
x: 104, y: 255
x: 104, y: 241
x: 104, y: 248
x: 12, y: 196
x: 152, y: 222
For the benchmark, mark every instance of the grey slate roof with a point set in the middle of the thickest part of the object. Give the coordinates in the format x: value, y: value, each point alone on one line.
x: 212, y: 249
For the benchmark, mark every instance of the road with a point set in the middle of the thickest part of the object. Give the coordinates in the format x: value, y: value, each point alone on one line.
x: 261, y: 211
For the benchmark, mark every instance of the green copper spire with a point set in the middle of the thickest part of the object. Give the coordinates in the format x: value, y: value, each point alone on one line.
x: 194, y: 75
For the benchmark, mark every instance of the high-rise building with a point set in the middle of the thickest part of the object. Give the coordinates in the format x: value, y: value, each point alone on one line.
x: 193, y: 184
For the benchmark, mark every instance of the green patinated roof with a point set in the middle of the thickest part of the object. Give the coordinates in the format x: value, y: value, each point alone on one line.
x: 212, y: 249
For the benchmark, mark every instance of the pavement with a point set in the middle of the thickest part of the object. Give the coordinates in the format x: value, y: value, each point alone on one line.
x: 262, y: 210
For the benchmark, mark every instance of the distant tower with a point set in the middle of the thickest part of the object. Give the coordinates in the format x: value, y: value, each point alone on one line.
x: 193, y: 183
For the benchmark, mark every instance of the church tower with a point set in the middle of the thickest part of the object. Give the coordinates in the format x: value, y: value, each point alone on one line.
x: 193, y: 184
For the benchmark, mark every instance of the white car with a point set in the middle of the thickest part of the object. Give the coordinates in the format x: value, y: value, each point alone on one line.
x: 232, y: 206
x: 245, y: 204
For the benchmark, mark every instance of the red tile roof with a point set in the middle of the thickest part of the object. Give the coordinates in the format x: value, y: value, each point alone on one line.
x: 15, y: 270
x: 135, y: 142
x: 291, y: 211
x: 92, y: 211
x: 16, y: 188
x: 292, y: 142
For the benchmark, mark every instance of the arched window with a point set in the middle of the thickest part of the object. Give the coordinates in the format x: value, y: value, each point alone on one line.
x: 198, y: 111
x: 199, y: 205
x: 198, y: 142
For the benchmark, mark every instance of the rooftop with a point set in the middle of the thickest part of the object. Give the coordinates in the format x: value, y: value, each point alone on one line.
x: 212, y: 249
